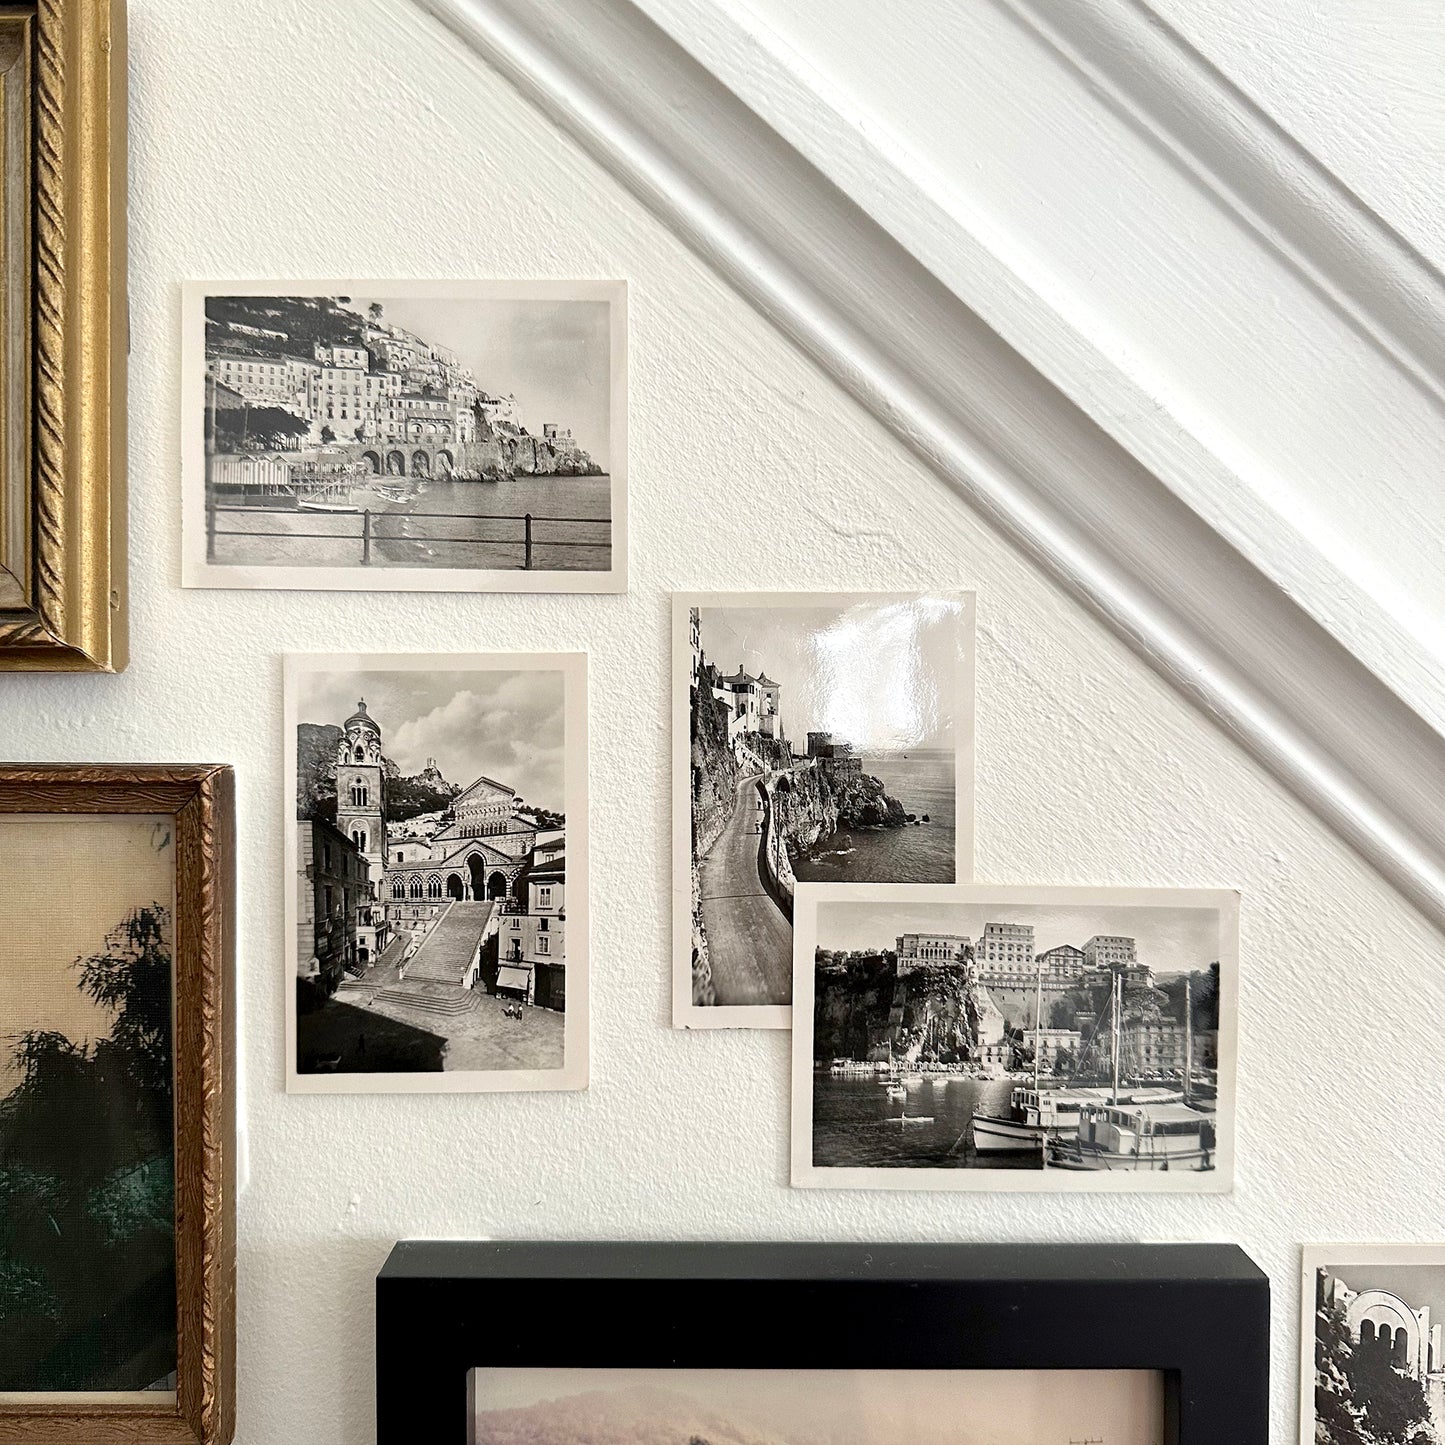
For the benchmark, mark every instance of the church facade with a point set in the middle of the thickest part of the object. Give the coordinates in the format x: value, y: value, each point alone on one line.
x: 480, y: 855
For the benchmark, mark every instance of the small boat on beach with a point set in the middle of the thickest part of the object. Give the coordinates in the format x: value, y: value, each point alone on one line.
x: 318, y: 504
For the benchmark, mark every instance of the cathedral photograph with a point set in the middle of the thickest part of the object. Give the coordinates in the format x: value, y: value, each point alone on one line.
x: 429, y: 805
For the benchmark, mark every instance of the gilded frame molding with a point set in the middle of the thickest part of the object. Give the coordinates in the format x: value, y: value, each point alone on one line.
x: 62, y: 484
x: 201, y: 799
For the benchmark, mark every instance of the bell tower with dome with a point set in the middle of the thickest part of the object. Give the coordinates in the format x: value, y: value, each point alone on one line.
x: 361, y: 813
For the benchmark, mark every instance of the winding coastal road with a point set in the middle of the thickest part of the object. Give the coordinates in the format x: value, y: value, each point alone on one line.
x: 749, y: 939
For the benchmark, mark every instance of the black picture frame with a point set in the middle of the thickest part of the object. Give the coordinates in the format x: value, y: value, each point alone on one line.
x: 1197, y: 1312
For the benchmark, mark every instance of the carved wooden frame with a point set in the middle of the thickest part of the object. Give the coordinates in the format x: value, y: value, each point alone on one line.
x: 63, y: 337
x: 202, y: 801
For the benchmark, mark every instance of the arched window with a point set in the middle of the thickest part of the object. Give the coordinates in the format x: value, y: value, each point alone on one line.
x: 359, y: 795
x: 358, y: 836
x: 360, y: 754
x: 415, y: 888
x: 398, y: 888
x: 433, y: 887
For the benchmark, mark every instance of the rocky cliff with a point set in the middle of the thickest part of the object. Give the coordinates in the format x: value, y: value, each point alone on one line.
x: 714, y: 770
x: 864, y: 1010
x: 812, y: 804
x: 500, y: 453
x: 316, y: 745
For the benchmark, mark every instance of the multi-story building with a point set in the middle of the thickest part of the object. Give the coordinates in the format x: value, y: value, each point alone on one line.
x: 426, y: 416
x: 832, y: 755
x: 1049, y: 1044
x: 752, y: 703
x: 1005, y: 954
x: 929, y: 950
x: 1062, y: 964
x: 333, y: 887
x: 532, y: 964
x: 1109, y: 950
x: 361, y: 818
x: 263, y: 380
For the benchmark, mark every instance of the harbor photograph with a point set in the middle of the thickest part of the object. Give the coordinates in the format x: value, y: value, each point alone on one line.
x: 816, y: 737
x: 980, y: 1037
x: 624, y: 1406
x: 437, y: 856
x: 413, y: 436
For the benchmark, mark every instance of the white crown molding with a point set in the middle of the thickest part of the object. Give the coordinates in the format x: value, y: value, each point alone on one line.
x: 987, y: 421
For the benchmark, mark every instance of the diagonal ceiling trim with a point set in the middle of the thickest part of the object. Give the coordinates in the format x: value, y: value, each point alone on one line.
x: 986, y: 421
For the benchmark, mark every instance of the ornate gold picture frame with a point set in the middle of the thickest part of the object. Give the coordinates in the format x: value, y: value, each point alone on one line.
x: 117, y: 1105
x: 62, y: 336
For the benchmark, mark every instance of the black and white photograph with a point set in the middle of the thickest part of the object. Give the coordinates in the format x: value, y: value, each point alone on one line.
x: 975, y: 1037
x: 88, y: 1292
x: 406, y: 436
x: 521, y: 1406
x: 817, y: 737
x: 1371, y: 1368
x: 437, y: 850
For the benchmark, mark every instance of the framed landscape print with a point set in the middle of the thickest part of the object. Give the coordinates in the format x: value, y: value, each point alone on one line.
x: 437, y: 850
x: 977, y: 1037
x: 850, y: 1344
x: 62, y: 336
x: 117, y: 1110
x: 405, y: 435
x: 816, y: 737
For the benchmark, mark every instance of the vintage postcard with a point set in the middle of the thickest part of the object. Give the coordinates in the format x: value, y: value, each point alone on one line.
x: 816, y: 736
x: 1009, y: 1038
x: 1371, y: 1364
x: 405, y: 436
x: 437, y: 862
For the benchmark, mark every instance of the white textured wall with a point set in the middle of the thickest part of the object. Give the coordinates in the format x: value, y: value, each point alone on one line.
x: 747, y: 468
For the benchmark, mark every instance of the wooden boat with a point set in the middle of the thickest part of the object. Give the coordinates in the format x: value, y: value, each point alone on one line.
x: 1137, y: 1137
x: 308, y: 504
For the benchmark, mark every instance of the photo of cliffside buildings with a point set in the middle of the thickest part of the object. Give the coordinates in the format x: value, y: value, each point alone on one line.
x: 996, y: 1036
x: 817, y: 738
x: 430, y: 859
x: 1373, y: 1370
x: 403, y: 436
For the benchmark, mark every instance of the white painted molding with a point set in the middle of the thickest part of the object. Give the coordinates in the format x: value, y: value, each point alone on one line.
x: 987, y: 422
x: 1182, y: 103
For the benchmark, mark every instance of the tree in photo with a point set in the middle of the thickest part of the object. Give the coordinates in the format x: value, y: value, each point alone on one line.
x: 1361, y: 1396
x: 87, y: 1188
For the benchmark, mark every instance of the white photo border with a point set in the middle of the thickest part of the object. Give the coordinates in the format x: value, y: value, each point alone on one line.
x: 196, y: 571
x: 574, y: 1073
x: 685, y: 1013
x: 806, y: 1175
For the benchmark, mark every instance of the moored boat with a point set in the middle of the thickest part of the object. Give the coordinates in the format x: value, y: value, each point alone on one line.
x: 1144, y: 1137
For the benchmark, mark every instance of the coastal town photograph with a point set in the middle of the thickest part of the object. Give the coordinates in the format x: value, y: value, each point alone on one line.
x: 87, y: 1132
x: 816, y: 737
x: 979, y: 1037
x: 406, y: 435
x: 1372, y: 1371
x: 524, y: 1406
x: 434, y: 941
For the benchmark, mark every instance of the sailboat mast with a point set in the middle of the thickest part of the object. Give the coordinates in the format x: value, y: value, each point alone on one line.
x: 1188, y: 1036
x: 1038, y: 1022
x: 1116, y: 1008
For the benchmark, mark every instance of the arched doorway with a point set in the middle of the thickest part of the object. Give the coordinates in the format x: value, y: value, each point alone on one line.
x: 420, y: 464
x: 478, y: 869
x: 497, y: 885
x: 395, y: 464
x: 444, y: 464
x: 373, y: 460
x: 455, y: 887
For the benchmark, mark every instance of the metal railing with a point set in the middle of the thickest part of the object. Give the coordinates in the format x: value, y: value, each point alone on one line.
x: 531, y: 536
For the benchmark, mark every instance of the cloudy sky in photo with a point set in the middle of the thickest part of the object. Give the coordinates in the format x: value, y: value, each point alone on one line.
x: 1169, y: 940
x: 555, y: 357
x: 852, y: 1407
x: 501, y: 723
x: 881, y: 673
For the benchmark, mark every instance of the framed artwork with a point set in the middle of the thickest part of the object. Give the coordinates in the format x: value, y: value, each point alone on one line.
x: 436, y: 857
x: 405, y: 436
x: 62, y: 336
x: 117, y: 1106
x: 816, y: 737
x: 974, y: 1037
x: 850, y: 1343
x: 1371, y: 1359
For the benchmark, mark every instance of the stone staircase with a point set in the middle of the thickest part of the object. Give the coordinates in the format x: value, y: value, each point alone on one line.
x: 447, y: 1004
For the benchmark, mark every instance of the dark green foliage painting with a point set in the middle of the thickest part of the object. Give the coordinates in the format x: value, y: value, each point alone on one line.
x: 87, y: 1182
